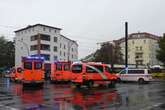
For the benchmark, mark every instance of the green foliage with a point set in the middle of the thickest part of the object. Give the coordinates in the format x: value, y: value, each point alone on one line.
x: 161, y: 52
x: 7, y: 52
x: 109, y: 53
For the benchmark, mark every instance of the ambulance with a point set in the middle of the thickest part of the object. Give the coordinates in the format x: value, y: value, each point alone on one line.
x: 60, y: 71
x: 33, y: 71
x: 91, y: 73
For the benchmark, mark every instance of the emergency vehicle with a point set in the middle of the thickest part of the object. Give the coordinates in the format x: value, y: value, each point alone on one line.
x: 137, y: 75
x: 60, y: 71
x: 33, y: 71
x: 16, y: 74
x: 89, y: 74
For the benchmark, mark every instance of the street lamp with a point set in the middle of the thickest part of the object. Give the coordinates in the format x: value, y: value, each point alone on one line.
x: 25, y: 44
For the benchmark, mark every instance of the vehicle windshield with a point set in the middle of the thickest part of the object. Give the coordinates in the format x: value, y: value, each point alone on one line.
x: 77, y: 68
x: 108, y: 69
x: 28, y: 65
x: 59, y: 66
x: 66, y: 67
x: 37, y: 65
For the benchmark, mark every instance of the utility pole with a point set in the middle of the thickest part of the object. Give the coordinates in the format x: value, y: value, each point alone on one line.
x: 126, y: 44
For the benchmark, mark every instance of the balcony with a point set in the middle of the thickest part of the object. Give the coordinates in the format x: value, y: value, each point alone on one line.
x: 139, y: 58
x: 139, y: 51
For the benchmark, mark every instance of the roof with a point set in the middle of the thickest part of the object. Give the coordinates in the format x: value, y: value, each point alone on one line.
x: 147, y: 35
x: 30, y: 26
x: 70, y: 39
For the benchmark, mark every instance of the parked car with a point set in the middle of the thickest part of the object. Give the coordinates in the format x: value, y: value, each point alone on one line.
x: 138, y: 75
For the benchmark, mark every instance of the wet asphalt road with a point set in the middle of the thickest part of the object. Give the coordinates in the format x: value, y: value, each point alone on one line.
x: 126, y: 96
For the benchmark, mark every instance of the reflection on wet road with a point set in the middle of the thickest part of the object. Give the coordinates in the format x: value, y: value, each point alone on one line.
x: 64, y: 97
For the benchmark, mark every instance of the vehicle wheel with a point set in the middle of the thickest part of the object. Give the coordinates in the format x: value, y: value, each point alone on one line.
x: 78, y: 86
x: 141, y: 81
x: 51, y: 81
x: 90, y: 84
x: 118, y: 80
x: 112, y: 84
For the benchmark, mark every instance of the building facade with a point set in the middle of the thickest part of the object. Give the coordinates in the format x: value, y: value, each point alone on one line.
x: 142, y: 48
x: 46, y: 41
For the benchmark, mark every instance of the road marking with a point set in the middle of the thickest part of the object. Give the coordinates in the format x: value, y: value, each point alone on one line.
x: 7, y: 107
x: 153, y: 106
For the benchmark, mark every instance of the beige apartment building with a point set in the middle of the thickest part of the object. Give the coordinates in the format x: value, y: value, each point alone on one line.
x: 142, y: 48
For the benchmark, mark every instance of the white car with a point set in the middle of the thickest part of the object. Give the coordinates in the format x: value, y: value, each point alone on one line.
x: 139, y: 75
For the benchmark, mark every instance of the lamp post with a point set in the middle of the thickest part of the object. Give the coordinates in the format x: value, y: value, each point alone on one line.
x: 25, y: 44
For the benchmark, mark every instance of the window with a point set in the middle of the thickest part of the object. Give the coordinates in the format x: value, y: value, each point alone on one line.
x: 144, y: 41
x: 117, y: 70
x: 37, y: 65
x: 94, y: 68
x: 49, y: 30
x: 64, y: 54
x: 29, y: 30
x: 55, y: 31
x: 55, y: 48
x: 140, y: 47
x: 72, y: 56
x: 44, y: 29
x: 45, y: 37
x: 77, y: 68
x: 55, y: 58
x: 60, y: 53
x: 45, y: 47
x: 135, y: 71
x: 123, y: 71
x: 66, y: 67
x: 137, y: 48
x: 33, y: 38
x: 28, y: 65
x: 60, y: 45
x: 64, y: 46
x: 108, y: 69
x: 132, y: 41
x: 55, y: 39
x: 33, y: 47
x: 58, y: 66
x: 72, y: 49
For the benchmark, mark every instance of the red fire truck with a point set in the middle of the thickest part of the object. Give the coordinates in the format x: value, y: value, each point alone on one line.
x: 60, y: 71
x: 33, y: 71
x: 92, y: 73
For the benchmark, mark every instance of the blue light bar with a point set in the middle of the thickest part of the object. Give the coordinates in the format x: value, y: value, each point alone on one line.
x: 31, y: 58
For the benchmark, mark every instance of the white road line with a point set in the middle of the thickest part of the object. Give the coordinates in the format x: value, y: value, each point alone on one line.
x: 150, y: 107
x: 8, y: 108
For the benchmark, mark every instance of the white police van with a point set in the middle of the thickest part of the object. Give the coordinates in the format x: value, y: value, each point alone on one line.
x: 139, y: 75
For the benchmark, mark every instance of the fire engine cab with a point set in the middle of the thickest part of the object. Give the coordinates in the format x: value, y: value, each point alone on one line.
x: 33, y: 71
x: 60, y: 71
x: 89, y: 74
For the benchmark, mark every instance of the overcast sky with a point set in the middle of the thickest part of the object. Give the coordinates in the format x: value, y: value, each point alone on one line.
x: 86, y: 21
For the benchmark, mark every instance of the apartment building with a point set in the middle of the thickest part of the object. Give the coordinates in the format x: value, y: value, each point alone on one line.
x: 142, y: 48
x: 46, y: 41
